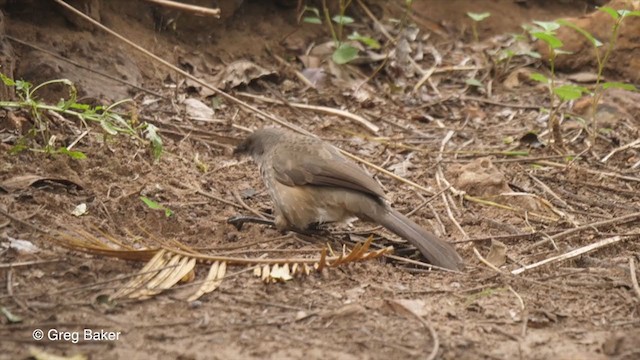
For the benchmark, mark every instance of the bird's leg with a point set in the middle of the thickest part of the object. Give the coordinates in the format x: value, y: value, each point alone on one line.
x: 239, y: 220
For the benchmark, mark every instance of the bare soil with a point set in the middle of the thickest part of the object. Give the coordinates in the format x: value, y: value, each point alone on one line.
x: 582, y: 308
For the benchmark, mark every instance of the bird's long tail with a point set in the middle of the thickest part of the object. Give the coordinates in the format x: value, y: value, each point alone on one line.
x: 437, y: 251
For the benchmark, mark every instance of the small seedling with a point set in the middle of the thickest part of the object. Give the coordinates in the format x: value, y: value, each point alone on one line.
x: 476, y: 18
x: 545, y: 32
x: 111, y: 122
x: 344, y: 52
x: 155, y: 206
x: 601, y: 59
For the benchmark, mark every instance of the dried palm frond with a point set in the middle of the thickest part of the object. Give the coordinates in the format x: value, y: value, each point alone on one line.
x: 169, y: 262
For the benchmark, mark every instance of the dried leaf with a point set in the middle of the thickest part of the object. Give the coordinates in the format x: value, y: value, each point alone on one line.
x: 241, y: 72
x: 22, y: 246
x: 79, y: 210
x: 146, y: 273
x: 196, y: 109
x: 22, y: 182
x: 497, y: 253
x: 213, y: 280
x: 280, y: 273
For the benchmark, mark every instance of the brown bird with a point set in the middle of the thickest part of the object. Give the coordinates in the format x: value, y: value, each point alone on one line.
x: 311, y: 182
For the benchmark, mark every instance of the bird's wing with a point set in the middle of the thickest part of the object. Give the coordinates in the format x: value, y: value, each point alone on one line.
x: 328, y: 169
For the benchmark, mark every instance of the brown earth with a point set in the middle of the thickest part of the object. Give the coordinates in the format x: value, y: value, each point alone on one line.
x: 582, y: 308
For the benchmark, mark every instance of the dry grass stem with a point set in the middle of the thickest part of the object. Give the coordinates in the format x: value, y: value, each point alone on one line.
x: 573, y: 253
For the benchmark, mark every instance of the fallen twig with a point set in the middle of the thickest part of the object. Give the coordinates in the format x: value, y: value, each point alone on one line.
x: 589, y: 171
x: 196, y: 10
x: 594, y: 225
x: 484, y: 261
x: 573, y: 253
x: 328, y: 110
x: 634, y: 278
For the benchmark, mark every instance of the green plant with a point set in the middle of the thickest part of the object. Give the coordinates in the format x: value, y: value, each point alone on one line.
x: 546, y: 32
x: 344, y: 51
x: 111, y: 122
x: 155, y: 206
x: 504, y: 56
x: 476, y: 18
x: 601, y: 59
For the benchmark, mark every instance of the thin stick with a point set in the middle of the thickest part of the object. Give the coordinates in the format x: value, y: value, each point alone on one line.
x: 419, y: 263
x: 436, y: 342
x: 548, y: 190
x: 373, y: 18
x: 498, y: 103
x: 22, y: 222
x: 485, y: 261
x: 573, y: 253
x: 441, y: 180
x: 29, y: 263
x: 211, y: 196
x: 325, y: 109
x: 618, y: 149
x: 520, y: 301
x: 634, y: 278
x: 84, y: 133
x: 247, y: 207
x: 589, y: 171
x: 295, y: 71
x: 196, y: 10
x: 584, y: 227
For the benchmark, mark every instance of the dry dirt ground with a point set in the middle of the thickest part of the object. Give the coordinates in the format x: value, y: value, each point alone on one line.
x: 447, y: 131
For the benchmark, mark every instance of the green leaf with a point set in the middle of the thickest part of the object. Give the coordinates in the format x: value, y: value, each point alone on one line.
x: 155, y: 206
x: 570, y: 92
x: 539, y: 78
x: 623, y: 13
x: 151, y: 134
x: 473, y: 82
x: 369, y: 42
x: 19, y: 147
x: 478, y: 16
x: 548, y: 26
x: 78, y: 155
x: 312, y: 20
x: 612, y: 12
x: 7, y: 80
x: 344, y: 54
x: 311, y: 10
x: 80, y: 106
x: 342, y: 20
x: 619, y: 85
x: 595, y: 42
x: 108, y: 127
x: 550, y: 39
x: 633, y: 13
x: 22, y: 85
